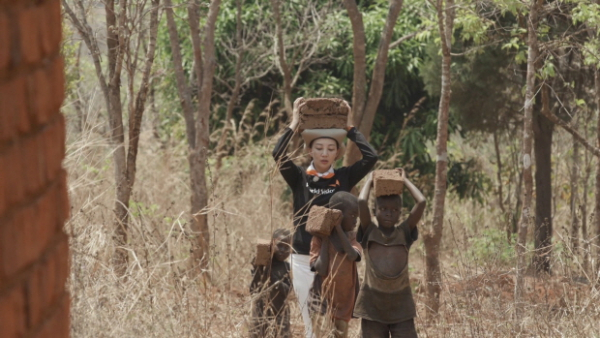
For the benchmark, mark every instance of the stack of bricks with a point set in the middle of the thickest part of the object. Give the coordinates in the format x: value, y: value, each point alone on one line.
x: 34, y: 251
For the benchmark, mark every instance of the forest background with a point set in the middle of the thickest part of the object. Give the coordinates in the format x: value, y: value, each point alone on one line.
x: 173, y: 109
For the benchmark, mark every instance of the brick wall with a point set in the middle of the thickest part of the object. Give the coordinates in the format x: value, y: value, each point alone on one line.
x: 34, y: 205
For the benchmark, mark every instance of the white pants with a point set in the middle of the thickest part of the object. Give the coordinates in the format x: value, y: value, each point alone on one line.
x: 302, y: 279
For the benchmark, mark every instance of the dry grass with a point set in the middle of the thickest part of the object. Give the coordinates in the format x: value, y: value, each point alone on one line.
x: 158, y: 299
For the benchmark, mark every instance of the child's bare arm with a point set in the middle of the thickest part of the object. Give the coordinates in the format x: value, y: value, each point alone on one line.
x: 363, y: 203
x: 417, y: 211
x: 322, y: 263
x: 346, y: 245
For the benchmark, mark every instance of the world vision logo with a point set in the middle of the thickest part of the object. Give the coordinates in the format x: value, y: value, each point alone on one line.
x: 321, y: 191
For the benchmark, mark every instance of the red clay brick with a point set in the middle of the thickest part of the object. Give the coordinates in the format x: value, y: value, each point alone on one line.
x: 29, y: 34
x: 12, y: 313
x: 39, y: 96
x: 50, y: 26
x: 58, y: 325
x: 7, y: 111
x: 57, y: 80
x: 61, y: 266
x: 29, y: 165
x: 3, y: 186
x: 5, y: 33
x: 20, y: 105
x: 15, y: 188
x: 62, y: 197
x: 34, y: 286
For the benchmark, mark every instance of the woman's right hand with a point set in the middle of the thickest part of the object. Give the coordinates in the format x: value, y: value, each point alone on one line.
x: 298, y: 103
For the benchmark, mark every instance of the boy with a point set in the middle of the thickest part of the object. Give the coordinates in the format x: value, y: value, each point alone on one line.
x: 385, y: 303
x: 271, y: 285
x: 334, y: 259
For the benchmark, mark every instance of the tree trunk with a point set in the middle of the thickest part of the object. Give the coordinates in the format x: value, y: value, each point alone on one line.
x: 526, y: 151
x: 284, y: 67
x: 359, y: 46
x: 597, y: 209
x: 542, y: 134
x: 364, y: 121
x: 499, y: 173
x: 221, y: 149
x: 198, y: 158
x: 183, y: 90
x: 574, y: 198
x: 433, y: 237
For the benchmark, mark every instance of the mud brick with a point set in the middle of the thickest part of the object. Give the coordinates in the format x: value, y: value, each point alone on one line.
x: 324, y: 107
x: 388, y: 182
x: 324, y: 114
x: 56, y: 82
x: 29, y: 33
x: 39, y: 94
x: 325, y: 122
x: 5, y: 36
x: 59, y: 324
x: 263, y: 252
x: 12, y: 313
x: 322, y: 220
x: 13, y: 113
x: 50, y: 26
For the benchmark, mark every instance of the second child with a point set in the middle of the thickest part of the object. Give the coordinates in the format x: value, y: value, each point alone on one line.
x: 334, y: 259
x: 385, y: 303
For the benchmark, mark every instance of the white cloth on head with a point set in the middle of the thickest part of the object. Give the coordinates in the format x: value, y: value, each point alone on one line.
x: 302, y: 279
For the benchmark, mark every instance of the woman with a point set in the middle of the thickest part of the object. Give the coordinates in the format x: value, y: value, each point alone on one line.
x: 315, y: 186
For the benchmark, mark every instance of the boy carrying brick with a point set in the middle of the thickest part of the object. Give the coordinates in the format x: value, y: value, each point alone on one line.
x: 385, y: 303
x: 270, y: 287
x: 334, y: 259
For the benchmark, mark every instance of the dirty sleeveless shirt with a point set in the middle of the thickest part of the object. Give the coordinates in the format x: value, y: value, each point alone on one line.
x: 385, y: 299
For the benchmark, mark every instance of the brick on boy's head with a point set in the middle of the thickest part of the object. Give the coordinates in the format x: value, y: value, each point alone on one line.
x: 343, y: 200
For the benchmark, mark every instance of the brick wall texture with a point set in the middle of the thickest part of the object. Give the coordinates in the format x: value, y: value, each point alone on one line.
x: 34, y: 251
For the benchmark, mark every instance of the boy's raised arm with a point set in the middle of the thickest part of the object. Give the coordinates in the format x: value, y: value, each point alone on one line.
x: 363, y: 203
x: 417, y: 211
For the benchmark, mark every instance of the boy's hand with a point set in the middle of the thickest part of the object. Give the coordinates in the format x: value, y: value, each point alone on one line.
x: 402, y: 173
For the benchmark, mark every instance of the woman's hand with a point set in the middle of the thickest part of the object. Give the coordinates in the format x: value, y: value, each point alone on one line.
x: 402, y: 173
x: 348, y: 123
x: 298, y: 103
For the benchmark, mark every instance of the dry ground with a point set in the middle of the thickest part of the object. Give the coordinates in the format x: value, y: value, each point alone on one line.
x: 158, y: 299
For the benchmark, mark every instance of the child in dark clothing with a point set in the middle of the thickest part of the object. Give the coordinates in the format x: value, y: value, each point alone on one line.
x: 270, y: 287
x: 385, y: 303
x: 334, y: 259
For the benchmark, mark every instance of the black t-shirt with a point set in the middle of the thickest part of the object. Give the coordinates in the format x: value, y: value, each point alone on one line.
x: 307, y: 192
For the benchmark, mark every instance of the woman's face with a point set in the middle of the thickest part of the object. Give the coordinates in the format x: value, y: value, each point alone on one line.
x: 323, y: 151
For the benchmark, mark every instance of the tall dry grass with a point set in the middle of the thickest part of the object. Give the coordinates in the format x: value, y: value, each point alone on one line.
x: 158, y: 298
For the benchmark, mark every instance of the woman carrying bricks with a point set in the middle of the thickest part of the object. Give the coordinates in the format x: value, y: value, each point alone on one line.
x: 314, y: 186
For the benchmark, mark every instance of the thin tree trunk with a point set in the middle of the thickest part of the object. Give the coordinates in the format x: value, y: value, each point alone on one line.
x: 597, y: 209
x: 526, y: 152
x: 284, y: 67
x: 574, y: 198
x: 499, y: 173
x: 359, y: 84
x: 235, y: 92
x: 199, y: 199
x: 542, y: 135
x: 433, y: 237
x: 183, y: 90
x: 365, y: 123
